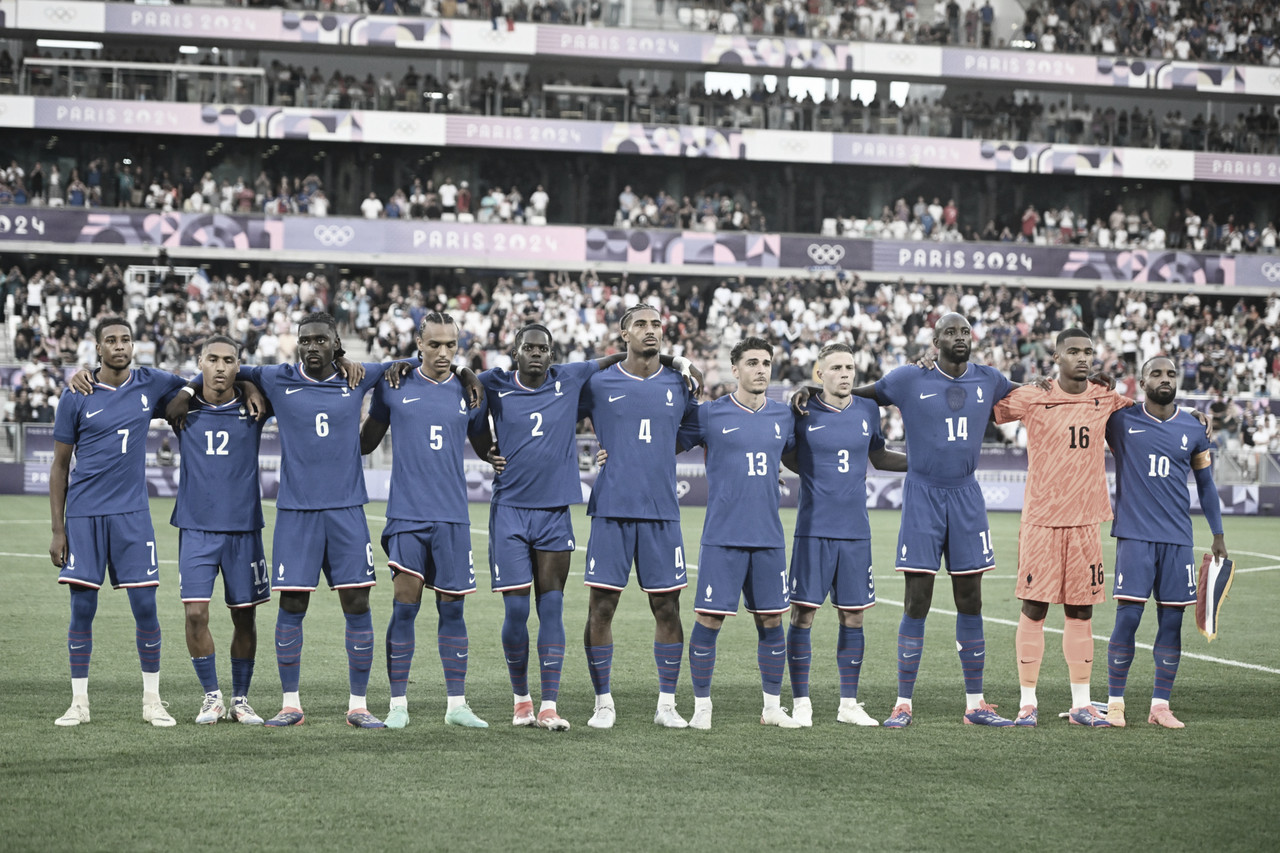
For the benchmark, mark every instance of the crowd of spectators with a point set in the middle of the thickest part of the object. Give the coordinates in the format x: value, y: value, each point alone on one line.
x: 1131, y: 227
x: 1229, y: 349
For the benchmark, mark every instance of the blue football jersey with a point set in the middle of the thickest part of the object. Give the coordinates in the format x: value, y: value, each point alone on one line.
x: 109, y: 431
x: 831, y: 452
x: 320, y: 462
x: 744, y: 456
x: 429, y: 422
x: 944, y: 418
x: 535, y: 429
x: 218, y: 486
x: 637, y: 419
x: 1153, y: 463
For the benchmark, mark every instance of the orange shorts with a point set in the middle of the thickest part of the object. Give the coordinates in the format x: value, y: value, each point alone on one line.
x: 1060, y: 565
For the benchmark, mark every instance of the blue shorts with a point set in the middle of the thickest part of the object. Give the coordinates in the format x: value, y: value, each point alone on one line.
x: 938, y: 522
x: 333, y: 540
x: 839, y: 566
x: 438, y: 553
x: 759, y: 574
x: 1144, y: 567
x: 246, y: 581
x: 656, y: 548
x: 123, y: 546
x: 515, y: 533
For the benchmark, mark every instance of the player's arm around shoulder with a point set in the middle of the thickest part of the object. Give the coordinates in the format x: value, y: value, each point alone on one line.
x: 1015, y: 405
x: 376, y: 423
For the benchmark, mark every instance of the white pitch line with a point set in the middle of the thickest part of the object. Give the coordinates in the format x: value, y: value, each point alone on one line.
x: 1185, y: 654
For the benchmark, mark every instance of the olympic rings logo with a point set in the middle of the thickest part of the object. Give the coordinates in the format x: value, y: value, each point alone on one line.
x: 1271, y: 272
x: 334, y: 235
x: 1159, y: 163
x: 59, y: 14
x: 825, y: 254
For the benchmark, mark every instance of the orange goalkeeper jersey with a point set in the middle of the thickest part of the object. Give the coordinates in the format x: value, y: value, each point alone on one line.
x: 1066, y: 435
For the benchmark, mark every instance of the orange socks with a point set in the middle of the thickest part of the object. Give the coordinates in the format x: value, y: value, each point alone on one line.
x: 1030, y: 645
x: 1077, y: 648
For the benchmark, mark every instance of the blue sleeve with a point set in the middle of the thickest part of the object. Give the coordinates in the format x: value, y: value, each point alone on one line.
x: 877, y: 431
x: 1210, y: 504
x: 789, y: 432
x: 1114, y: 432
x: 171, y: 384
x: 585, y: 398
x: 378, y: 409
x: 578, y: 372
x: 691, y: 432
x: 889, y: 386
x: 65, y: 421
x: 1003, y: 385
x: 372, y: 373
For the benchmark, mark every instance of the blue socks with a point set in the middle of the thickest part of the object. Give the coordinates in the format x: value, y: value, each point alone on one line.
x: 702, y: 658
x: 401, y: 641
x: 451, y: 639
x: 207, y: 672
x: 972, y: 650
x: 771, y: 655
x: 551, y: 642
x: 1168, y: 650
x: 515, y: 641
x: 289, y: 648
x: 799, y: 658
x: 241, y: 675
x: 910, y: 648
x: 600, y: 664
x: 667, y: 657
x: 84, y: 604
x: 1120, y: 646
x: 850, y: 645
x: 359, y: 641
x: 142, y: 600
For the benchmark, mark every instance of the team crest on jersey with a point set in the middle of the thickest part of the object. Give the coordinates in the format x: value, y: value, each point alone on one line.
x: 346, y: 392
x: 955, y: 398
x: 1184, y: 441
x: 146, y: 406
x: 670, y: 401
x: 462, y: 407
x: 777, y: 430
x: 866, y: 430
x: 979, y: 393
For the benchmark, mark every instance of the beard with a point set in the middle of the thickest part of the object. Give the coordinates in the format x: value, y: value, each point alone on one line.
x: 1162, y: 396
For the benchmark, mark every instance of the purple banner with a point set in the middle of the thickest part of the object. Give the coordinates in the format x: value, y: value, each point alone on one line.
x: 1241, y: 168
x: 683, y: 248
x: 538, y: 134
x: 458, y: 242
x: 139, y: 228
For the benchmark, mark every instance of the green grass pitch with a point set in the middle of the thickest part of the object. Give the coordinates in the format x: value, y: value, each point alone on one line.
x: 119, y: 784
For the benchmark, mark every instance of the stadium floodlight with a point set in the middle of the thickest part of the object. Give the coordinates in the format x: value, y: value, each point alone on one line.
x: 188, y: 49
x: 69, y: 44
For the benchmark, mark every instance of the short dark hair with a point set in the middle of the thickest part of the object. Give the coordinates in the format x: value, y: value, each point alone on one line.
x: 524, y: 330
x: 749, y: 344
x: 834, y: 347
x: 107, y: 322
x: 1073, y: 332
x: 437, y: 317
x: 220, y: 339
x: 1146, y: 365
x: 320, y: 317
x: 631, y: 312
